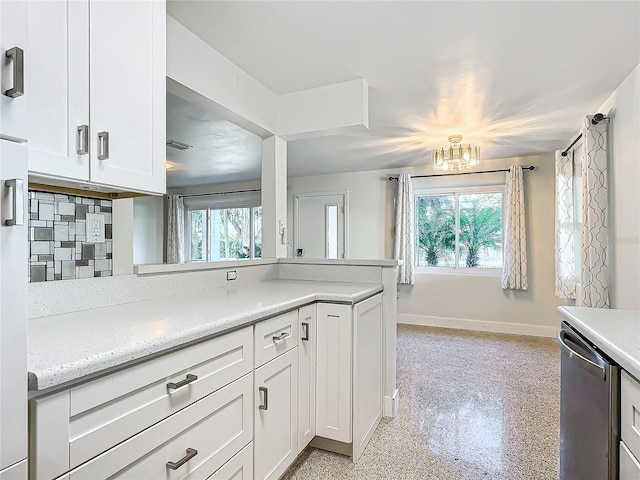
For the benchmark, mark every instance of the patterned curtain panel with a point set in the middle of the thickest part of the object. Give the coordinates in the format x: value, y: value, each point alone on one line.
x: 514, y: 265
x: 175, y: 230
x: 594, y: 216
x: 565, y: 248
x: 404, y: 230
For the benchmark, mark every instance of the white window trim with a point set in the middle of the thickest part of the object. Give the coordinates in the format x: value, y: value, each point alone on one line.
x: 423, y: 192
x: 217, y: 205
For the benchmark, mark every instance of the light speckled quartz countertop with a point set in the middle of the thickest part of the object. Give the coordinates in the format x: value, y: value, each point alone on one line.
x: 69, y: 347
x: 615, y: 332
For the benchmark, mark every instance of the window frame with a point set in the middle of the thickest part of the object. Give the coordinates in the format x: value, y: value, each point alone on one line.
x: 206, y: 240
x: 456, y: 192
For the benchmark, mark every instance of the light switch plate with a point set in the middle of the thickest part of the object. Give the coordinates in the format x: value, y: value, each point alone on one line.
x: 95, y: 228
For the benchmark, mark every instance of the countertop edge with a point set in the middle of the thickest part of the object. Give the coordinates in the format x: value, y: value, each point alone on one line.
x: 67, y: 374
x: 618, y: 354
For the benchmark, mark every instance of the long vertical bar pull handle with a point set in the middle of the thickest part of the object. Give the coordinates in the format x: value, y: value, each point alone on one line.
x: 82, y: 140
x: 16, y: 186
x: 265, y: 405
x: 17, y: 55
x: 103, y: 145
x: 305, y: 328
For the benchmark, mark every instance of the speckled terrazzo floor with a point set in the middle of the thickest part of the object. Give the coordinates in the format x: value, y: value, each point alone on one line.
x: 472, y: 406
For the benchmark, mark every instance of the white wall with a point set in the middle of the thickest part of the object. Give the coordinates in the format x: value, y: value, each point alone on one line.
x: 460, y: 300
x: 148, y: 230
x: 623, y: 106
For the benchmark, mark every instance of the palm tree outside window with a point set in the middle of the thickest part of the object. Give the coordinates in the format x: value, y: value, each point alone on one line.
x: 460, y: 229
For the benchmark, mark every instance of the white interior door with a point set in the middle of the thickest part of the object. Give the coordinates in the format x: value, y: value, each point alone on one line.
x: 320, y: 226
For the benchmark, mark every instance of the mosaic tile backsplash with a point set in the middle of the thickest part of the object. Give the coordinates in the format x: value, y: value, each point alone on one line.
x: 57, y: 237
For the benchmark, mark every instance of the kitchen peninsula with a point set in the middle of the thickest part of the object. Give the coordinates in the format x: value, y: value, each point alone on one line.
x: 129, y: 380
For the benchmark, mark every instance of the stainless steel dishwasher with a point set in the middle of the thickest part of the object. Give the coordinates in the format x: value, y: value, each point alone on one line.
x: 589, y: 410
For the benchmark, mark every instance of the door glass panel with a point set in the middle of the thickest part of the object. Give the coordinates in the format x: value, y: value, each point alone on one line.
x: 331, y: 231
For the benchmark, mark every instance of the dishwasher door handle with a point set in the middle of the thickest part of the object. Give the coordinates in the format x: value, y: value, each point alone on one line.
x: 593, y: 368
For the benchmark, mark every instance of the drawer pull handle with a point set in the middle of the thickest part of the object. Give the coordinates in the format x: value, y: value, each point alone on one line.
x: 281, y: 338
x: 190, y: 378
x: 265, y: 405
x: 305, y: 327
x: 191, y: 452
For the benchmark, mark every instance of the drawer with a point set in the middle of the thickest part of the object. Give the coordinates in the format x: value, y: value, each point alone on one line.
x: 630, y: 412
x: 74, y: 426
x: 216, y: 427
x: 629, y: 466
x: 239, y: 467
x: 275, y: 336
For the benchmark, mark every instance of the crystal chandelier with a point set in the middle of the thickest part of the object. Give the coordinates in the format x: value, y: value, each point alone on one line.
x: 456, y: 157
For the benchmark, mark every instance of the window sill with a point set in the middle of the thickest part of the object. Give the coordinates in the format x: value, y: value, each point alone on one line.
x: 487, y: 272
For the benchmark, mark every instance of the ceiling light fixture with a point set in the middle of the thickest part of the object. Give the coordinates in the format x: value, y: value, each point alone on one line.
x: 178, y: 145
x: 457, y: 156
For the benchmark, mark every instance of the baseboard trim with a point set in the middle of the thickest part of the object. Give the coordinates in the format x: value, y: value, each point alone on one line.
x: 391, y: 405
x: 478, y: 325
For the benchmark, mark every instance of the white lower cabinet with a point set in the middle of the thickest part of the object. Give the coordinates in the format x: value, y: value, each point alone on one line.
x: 276, y: 416
x: 629, y: 427
x: 333, y: 410
x: 239, y: 406
x: 15, y: 472
x: 349, y: 374
x: 367, y: 372
x: 307, y: 376
x: 193, y: 443
x: 629, y: 466
x: 79, y: 423
x: 240, y: 467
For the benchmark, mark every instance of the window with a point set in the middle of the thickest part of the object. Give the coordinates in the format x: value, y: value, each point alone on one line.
x: 224, y: 233
x: 459, y: 229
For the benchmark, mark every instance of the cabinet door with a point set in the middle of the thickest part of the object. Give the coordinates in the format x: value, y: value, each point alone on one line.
x: 58, y: 87
x: 128, y: 94
x: 13, y: 33
x: 367, y: 372
x: 13, y: 307
x: 333, y: 406
x: 307, y: 376
x: 276, y: 416
x: 239, y: 467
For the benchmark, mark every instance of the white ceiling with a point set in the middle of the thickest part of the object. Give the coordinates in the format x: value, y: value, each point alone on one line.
x: 222, y: 151
x: 514, y: 77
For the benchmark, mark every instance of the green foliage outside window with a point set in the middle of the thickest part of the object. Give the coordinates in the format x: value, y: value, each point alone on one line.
x: 478, y: 218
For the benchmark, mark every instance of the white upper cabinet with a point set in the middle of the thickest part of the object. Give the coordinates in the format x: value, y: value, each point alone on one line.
x: 128, y: 94
x: 13, y: 46
x: 97, y: 77
x: 58, y: 85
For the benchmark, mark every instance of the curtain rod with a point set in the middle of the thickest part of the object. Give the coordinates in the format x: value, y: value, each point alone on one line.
x: 530, y: 167
x: 220, y: 193
x: 597, y: 118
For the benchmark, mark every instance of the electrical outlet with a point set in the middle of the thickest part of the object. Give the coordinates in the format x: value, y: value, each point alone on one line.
x: 95, y: 228
x: 232, y: 275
